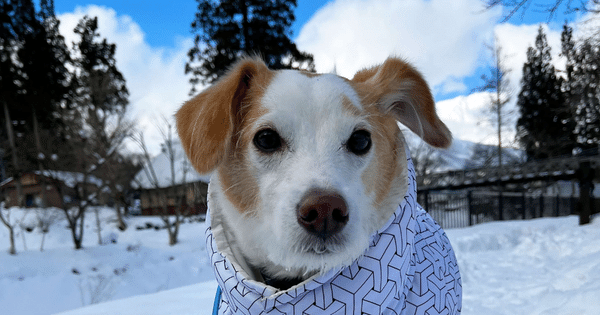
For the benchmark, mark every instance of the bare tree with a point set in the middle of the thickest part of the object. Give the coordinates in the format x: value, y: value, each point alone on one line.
x: 168, y: 193
x: 497, y: 83
x: 46, y: 217
x: 426, y: 159
x: 550, y: 8
x: 12, y: 223
x: 5, y: 218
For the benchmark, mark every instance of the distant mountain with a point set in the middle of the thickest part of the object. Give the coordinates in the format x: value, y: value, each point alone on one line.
x: 461, y: 155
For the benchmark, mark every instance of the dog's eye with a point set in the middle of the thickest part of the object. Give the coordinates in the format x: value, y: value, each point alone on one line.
x: 267, y: 140
x: 359, y: 142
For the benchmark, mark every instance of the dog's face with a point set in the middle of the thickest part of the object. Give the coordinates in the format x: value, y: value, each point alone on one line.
x: 306, y: 167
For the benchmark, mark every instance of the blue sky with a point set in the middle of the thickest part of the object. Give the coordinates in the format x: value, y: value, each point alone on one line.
x: 445, y: 39
x: 162, y: 23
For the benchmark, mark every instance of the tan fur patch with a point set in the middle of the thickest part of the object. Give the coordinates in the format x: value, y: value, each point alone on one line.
x: 211, y: 128
x: 400, y: 90
x: 381, y: 174
x: 237, y: 179
x: 349, y: 107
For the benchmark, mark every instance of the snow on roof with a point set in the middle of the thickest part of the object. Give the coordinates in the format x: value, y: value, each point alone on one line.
x: 71, y: 178
x: 6, y: 181
x: 162, y: 168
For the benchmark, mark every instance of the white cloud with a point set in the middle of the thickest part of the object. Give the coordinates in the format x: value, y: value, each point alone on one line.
x: 467, y: 118
x: 155, y: 78
x: 442, y: 38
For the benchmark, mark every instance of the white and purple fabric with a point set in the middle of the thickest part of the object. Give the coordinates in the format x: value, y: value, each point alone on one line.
x: 409, y: 268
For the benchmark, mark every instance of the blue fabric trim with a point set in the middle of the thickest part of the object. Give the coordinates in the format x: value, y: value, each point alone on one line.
x: 217, y: 301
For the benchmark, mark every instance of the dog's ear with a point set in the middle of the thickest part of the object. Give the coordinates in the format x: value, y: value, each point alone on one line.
x: 398, y: 88
x: 207, y: 123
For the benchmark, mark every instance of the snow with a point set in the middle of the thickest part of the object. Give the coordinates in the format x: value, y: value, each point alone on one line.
x: 71, y: 179
x: 542, y: 266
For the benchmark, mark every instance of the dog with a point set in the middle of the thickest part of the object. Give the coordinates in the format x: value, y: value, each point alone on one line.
x: 310, y: 174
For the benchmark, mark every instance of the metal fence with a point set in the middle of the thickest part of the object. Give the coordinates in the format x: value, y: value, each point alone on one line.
x: 456, y: 209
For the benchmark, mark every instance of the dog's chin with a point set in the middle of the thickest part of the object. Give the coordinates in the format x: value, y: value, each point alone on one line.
x: 310, y: 255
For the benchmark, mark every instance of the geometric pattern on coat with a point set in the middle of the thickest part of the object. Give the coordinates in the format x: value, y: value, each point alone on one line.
x: 409, y: 268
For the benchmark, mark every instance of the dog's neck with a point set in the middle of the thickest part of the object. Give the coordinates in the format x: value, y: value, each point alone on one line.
x: 281, y: 283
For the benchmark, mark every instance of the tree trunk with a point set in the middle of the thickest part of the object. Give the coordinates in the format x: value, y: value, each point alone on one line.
x: 13, y: 147
x: 24, y: 241
x: 13, y: 249
x: 172, y: 237
x: 122, y: 226
x: 11, y: 232
x: 39, y: 157
x: 43, y: 239
x: 171, y: 229
x: 79, y: 239
x: 98, y: 225
x: 75, y: 224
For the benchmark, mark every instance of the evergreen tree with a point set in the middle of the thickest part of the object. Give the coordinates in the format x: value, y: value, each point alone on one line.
x: 44, y: 57
x: 544, y: 128
x: 582, y: 88
x: 586, y: 79
x: 37, y: 79
x: 568, y: 51
x: 585, y: 95
x: 229, y: 29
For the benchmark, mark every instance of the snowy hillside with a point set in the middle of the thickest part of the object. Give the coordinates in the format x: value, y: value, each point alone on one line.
x: 543, y: 266
x: 461, y: 154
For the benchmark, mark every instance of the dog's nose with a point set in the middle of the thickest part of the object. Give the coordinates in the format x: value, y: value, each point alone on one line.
x: 322, y: 213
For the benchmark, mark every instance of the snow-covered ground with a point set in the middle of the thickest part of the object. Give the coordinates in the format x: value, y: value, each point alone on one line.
x: 542, y: 266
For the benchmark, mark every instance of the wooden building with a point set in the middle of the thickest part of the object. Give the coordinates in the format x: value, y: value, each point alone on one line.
x: 189, y: 198
x: 170, y: 183
x: 57, y: 188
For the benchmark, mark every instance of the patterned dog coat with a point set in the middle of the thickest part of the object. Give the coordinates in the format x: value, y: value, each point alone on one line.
x: 409, y: 268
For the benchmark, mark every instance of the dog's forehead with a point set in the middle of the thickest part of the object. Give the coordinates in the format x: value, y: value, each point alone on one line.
x: 320, y: 94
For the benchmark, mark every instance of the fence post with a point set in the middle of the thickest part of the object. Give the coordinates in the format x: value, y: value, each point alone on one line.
x: 557, y: 210
x: 426, y: 202
x: 500, y: 207
x: 523, y: 205
x: 470, y: 206
x: 586, y: 175
x: 541, y: 205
